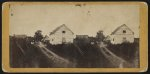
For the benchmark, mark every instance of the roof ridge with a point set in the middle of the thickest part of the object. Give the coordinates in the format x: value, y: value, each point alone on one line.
x: 58, y: 28
x: 120, y: 27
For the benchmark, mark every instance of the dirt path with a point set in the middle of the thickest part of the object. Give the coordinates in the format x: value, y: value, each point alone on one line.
x: 18, y: 45
x: 79, y: 49
x: 114, y: 59
x: 57, y: 60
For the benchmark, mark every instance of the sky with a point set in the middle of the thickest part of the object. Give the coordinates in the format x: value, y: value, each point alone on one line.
x: 82, y: 20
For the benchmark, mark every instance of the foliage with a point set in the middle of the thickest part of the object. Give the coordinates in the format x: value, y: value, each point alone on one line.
x: 38, y: 35
x: 100, y: 36
x: 80, y: 52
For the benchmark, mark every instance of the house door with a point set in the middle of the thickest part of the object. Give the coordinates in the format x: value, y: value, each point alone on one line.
x: 63, y: 40
x: 124, y: 39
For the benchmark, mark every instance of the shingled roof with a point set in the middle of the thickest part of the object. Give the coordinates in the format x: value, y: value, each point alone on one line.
x: 119, y: 28
x: 59, y: 28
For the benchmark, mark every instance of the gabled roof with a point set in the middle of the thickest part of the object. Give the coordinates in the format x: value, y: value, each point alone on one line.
x: 59, y: 28
x: 119, y: 28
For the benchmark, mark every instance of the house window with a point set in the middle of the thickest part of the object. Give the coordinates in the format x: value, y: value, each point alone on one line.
x: 124, y: 31
x: 63, y: 31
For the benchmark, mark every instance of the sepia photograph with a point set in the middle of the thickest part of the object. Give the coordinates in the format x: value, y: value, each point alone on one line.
x: 74, y: 35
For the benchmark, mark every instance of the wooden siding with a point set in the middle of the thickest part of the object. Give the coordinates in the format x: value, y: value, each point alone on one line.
x: 122, y: 34
x: 58, y: 36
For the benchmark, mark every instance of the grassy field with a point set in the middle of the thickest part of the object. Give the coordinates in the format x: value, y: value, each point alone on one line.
x: 80, y: 53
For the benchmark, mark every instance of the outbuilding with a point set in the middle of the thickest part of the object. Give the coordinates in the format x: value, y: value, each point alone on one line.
x: 122, y: 34
x: 61, y: 35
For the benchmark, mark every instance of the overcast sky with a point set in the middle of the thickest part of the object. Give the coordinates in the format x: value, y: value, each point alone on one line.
x: 82, y: 20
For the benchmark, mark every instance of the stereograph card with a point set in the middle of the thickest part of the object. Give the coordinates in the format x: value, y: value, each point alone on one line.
x: 74, y: 37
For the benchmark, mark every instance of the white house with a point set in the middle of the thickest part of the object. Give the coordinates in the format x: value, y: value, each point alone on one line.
x: 61, y: 35
x: 122, y: 34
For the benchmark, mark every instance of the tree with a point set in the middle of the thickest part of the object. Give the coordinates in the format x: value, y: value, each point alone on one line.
x: 38, y: 35
x: 100, y: 36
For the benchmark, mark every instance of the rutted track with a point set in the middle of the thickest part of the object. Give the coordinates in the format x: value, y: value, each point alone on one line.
x: 114, y: 59
x: 79, y: 49
x: 22, y: 50
x: 53, y: 59
x: 56, y: 59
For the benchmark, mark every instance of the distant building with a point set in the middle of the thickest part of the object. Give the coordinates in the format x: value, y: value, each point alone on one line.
x: 82, y: 39
x: 122, y: 34
x: 61, y: 35
x: 136, y: 40
x: 20, y: 36
x: 82, y: 36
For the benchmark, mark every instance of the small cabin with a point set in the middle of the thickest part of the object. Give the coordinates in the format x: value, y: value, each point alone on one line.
x: 82, y: 36
x: 61, y: 35
x: 122, y: 34
x: 82, y: 39
x: 20, y: 36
